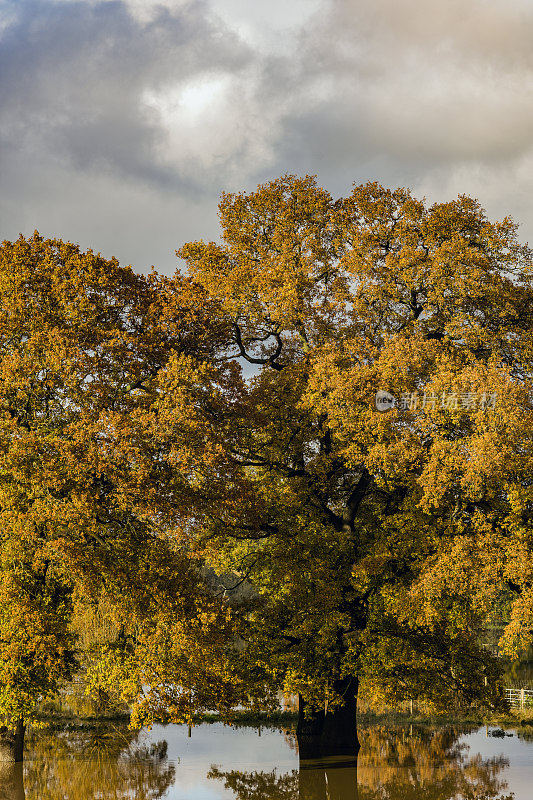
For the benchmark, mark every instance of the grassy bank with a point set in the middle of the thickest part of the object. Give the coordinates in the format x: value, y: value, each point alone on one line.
x: 284, y: 719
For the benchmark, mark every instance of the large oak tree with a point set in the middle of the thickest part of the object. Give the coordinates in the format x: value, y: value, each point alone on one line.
x: 156, y: 433
x: 373, y: 544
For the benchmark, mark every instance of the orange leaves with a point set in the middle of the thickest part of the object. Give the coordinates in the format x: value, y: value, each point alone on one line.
x: 170, y: 660
x: 36, y: 646
x: 133, y: 447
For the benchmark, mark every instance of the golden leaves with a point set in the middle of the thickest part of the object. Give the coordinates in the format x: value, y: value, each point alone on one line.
x: 333, y: 301
x: 88, y: 499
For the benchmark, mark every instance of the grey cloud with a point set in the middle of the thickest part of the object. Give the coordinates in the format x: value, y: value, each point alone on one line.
x: 123, y: 121
x: 74, y: 75
x: 436, y: 96
x: 428, y: 81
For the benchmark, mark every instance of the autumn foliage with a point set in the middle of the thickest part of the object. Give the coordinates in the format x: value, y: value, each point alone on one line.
x: 202, y: 457
x: 90, y: 510
x: 378, y: 543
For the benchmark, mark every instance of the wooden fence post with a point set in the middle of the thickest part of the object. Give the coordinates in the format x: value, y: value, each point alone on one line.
x: 522, y: 699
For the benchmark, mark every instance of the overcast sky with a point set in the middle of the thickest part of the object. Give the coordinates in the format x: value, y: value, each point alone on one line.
x: 122, y: 120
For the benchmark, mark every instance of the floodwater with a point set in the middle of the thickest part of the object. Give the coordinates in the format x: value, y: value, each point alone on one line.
x: 216, y: 762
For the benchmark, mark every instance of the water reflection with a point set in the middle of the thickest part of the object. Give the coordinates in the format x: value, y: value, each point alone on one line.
x: 85, y: 764
x: 425, y: 765
x: 338, y: 783
x: 11, y: 782
x: 106, y: 763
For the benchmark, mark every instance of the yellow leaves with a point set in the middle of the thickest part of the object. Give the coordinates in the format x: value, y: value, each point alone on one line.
x: 517, y: 635
x: 87, y: 482
x: 49, y: 281
x: 338, y: 514
x: 492, y: 444
x: 177, y: 667
x: 132, y: 446
x: 277, y: 240
x: 36, y: 647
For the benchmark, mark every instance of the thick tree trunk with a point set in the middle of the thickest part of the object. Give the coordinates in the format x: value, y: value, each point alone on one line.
x: 332, y: 734
x: 12, y: 743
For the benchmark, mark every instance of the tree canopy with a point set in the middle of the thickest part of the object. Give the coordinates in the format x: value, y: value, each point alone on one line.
x: 88, y: 504
x: 377, y: 542
x: 202, y: 459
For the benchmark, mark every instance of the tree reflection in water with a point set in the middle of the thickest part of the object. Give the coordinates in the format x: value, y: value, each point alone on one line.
x: 110, y: 764
x: 11, y: 782
x: 89, y: 764
x: 391, y: 766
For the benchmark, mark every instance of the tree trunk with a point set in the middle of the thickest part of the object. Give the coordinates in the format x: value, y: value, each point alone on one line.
x: 332, y: 734
x: 12, y: 743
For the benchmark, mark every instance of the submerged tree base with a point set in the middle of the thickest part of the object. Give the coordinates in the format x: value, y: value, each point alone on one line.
x: 329, y: 737
x: 12, y: 744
